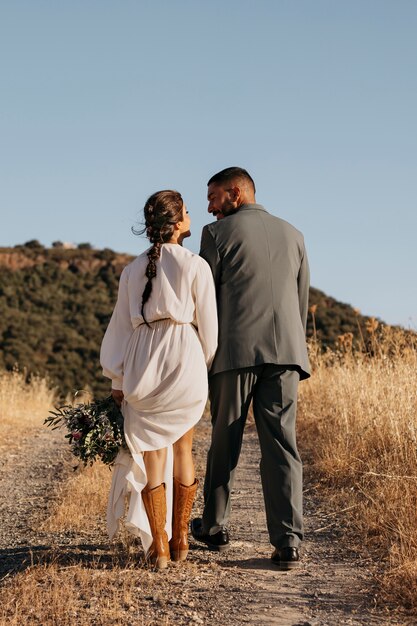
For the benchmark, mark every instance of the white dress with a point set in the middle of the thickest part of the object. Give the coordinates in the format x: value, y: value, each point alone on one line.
x: 162, y: 370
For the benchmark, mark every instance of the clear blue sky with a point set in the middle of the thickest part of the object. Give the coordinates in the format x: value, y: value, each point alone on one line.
x: 104, y: 102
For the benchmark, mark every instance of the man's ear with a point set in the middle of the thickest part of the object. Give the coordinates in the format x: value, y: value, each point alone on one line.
x: 235, y: 194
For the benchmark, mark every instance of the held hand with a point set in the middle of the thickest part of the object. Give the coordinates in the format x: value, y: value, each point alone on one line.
x: 117, y: 395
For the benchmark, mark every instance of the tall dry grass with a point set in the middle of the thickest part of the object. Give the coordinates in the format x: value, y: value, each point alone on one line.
x: 83, y: 501
x: 24, y: 402
x: 358, y: 413
x: 23, y: 405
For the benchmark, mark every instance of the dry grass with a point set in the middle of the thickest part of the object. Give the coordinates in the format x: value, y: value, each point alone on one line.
x: 56, y: 595
x: 23, y: 403
x: 359, y: 414
x: 83, y: 501
x: 23, y: 406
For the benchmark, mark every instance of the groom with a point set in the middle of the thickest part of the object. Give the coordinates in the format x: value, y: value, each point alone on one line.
x: 260, y: 269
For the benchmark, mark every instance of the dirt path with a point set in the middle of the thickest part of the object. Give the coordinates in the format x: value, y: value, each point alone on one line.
x: 30, y: 473
x: 331, y: 587
x: 241, y: 586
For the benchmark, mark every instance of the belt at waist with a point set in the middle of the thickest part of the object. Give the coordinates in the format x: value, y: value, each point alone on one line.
x: 161, y: 319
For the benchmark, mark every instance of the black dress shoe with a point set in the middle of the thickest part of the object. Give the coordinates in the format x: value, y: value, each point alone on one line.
x: 286, y: 558
x: 218, y: 542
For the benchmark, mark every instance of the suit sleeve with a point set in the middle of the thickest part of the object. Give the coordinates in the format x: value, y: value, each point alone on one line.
x: 117, y: 336
x: 303, y: 280
x: 209, y: 252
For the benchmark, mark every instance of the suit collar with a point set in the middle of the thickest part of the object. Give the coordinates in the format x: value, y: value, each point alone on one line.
x: 251, y: 207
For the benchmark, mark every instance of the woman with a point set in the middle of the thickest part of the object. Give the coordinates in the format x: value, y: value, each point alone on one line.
x: 160, y: 340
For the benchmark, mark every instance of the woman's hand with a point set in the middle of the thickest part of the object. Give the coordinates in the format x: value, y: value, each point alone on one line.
x: 118, y: 396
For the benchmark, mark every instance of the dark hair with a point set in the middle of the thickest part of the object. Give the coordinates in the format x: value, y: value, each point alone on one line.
x: 162, y: 211
x: 230, y: 174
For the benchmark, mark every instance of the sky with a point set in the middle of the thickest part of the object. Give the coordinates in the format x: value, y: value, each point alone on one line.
x: 104, y: 102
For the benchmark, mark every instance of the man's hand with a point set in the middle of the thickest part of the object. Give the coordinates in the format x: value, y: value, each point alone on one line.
x: 117, y: 396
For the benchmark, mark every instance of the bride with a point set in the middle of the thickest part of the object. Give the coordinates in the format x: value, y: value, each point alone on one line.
x: 160, y: 341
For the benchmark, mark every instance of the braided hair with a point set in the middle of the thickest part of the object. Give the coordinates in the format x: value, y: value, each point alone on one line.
x: 162, y: 211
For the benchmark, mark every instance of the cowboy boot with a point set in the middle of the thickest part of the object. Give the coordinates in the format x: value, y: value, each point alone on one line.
x: 156, y: 510
x: 181, y: 513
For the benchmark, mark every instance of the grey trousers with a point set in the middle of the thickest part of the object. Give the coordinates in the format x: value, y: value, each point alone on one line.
x: 273, y: 390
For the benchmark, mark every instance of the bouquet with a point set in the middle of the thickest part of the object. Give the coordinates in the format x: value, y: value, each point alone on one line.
x: 95, y: 429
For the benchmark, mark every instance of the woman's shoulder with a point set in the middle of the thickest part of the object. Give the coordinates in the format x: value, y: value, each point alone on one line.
x: 137, y: 263
x: 190, y: 262
x: 180, y: 252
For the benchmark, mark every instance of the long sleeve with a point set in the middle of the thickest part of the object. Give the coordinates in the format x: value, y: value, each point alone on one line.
x: 209, y: 252
x: 117, y: 336
x: 205, y: 310
x: 303, y: 287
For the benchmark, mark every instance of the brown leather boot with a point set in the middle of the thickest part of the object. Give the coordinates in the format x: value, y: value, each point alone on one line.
x: 156, y: 510
x: 181, y: 513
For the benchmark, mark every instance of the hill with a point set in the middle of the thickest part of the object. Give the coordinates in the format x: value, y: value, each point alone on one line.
x: 55, y: 304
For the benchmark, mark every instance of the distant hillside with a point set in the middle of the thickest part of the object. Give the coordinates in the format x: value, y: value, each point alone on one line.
x: 55, y: 304
x: 332, y: 318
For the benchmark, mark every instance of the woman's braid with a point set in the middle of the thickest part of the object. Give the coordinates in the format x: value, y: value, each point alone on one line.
x: 153, y: 255
x: 162, y: 211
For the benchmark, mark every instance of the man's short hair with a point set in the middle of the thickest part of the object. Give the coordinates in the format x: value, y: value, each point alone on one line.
x: 232, y: 174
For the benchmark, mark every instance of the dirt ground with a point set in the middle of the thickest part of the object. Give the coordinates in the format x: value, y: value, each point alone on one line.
x: 333, y: 586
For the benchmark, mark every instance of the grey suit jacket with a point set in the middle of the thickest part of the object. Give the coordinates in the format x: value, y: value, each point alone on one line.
x: 261, y: 272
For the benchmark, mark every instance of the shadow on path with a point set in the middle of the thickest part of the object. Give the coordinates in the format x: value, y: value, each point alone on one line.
x: 18, y: 559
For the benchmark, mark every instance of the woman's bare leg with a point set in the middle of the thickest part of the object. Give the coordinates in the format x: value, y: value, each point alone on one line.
x: 155, y: 467
x: 183, y: 459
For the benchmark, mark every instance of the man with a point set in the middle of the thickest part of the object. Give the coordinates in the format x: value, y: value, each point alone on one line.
x: 261, y: 273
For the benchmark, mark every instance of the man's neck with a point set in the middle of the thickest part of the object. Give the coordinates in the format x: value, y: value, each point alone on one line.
x: 247, y: 200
